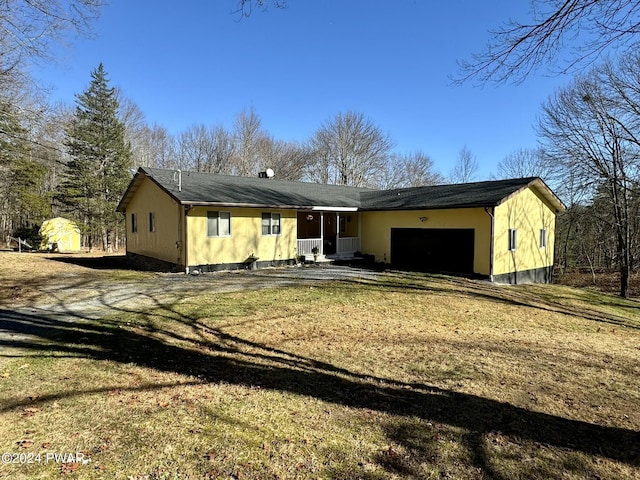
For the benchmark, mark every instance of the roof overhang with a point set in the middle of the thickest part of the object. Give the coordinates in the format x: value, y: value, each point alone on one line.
x: 334, y: 209
x: 131, y: 190
x: 544, y: 191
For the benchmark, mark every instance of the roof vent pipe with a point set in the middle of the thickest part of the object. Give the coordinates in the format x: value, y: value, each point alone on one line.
x: 177, y: 177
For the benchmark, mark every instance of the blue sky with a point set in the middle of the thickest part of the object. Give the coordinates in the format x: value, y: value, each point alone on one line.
x: 194, y: 62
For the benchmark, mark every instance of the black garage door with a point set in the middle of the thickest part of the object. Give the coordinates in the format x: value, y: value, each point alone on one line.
x: 433, y: 249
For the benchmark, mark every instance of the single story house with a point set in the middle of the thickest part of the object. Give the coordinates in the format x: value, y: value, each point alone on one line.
x: 501, y: 230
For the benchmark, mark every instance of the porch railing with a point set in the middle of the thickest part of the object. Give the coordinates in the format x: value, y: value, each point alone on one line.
x: 305, y: 245
x: 348, y: 244
x: 345, y: 245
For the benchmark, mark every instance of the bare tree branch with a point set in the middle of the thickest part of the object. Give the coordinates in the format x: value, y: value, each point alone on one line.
x: 519, y: 48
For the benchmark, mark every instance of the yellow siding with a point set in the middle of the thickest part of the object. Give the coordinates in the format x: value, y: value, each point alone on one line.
x: 164, y: 242
x: 351, y: 224
x: 246, y: 237
x: 376, y: 230
x: 528, y: 213
x: 61, y: 233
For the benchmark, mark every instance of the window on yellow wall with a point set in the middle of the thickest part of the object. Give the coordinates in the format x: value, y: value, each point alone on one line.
x: 218, y: 224
x: 513, y: 239
x: 134, y: 223
x: 270, y: 223
x: 543, y: 238
x: 152, y: 222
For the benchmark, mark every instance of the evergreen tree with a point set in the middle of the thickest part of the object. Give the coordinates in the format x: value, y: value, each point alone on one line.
x: 98, y: 172
x: 23, y: 195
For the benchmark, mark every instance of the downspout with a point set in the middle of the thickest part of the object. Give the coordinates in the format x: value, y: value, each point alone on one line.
x: 179, y: 240
x: 491, y: 241
x: 185, y: 249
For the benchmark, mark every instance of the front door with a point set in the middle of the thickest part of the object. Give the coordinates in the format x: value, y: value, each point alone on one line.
x: 330, y: 228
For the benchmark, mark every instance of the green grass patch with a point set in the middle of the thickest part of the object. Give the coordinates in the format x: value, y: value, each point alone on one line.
x: 411, y: 376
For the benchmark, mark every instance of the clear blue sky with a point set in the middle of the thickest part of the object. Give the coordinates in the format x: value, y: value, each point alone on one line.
x: 392, y: 60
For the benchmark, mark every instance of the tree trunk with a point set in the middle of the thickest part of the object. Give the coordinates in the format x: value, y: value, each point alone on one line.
x: 108, y: 244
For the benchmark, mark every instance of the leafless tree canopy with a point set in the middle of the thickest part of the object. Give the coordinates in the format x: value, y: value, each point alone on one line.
x: 465, y: 168
x: 526, y: 163
x: 29, y: 28
x: 246, y: 7
x: 248, y: 134
x: 589, y: 130
x: 349, y: 149
x: 518, y: 48
x: 410, y: 170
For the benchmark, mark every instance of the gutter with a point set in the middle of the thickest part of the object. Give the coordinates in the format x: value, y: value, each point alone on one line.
x: 491, y: 243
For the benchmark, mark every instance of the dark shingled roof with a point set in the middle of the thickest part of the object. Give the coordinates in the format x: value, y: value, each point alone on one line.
x: 209, y: 189
x: 462, y: 195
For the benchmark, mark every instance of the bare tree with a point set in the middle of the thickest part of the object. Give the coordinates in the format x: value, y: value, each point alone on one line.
x: 248, y: 135
x: 162, y: 147
x: 246, y: 7
x: 465, y: 168
x: 29, y: 29
x: 411, y: 170
x: 526, y: 163
x: 588, y: 129
x: 350, y: 150
x: 592, y: 26
x: 289, y: 160
x: 205, y: 149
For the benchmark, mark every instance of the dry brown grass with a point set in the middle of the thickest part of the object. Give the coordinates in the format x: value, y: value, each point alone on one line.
x: 411, y: 376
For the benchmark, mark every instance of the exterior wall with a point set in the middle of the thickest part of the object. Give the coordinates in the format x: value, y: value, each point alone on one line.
x: 376, y: 230
x: 164, y: 242
x: 351, y: 224
x: 528, y: 213
x: 246, y: 238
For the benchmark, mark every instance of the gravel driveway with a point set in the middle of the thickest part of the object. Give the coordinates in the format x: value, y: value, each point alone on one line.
x: 91, y: 298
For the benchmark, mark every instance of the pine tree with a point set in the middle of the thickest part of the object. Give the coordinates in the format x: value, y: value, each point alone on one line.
x: 98, y: 172
x: 24, y: 201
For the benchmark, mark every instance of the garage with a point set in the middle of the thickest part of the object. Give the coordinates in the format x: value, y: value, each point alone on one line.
x: 433, y: 249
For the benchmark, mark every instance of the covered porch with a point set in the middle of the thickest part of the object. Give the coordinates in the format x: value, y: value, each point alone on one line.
x: 335, y: 233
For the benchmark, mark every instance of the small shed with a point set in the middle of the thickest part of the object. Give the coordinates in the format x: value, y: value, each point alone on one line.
x: 60, y: 235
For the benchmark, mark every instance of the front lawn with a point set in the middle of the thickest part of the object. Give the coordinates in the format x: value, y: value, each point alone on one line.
x: 410, y: 376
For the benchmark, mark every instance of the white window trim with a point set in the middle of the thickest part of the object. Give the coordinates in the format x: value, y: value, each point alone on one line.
x: 543, y: 238
x: 218, y: 234
x: 271, y: 225
x: 513, y: 239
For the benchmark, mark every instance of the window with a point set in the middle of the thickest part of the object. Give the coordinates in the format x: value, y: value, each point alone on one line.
x: 543, y: 238
x: 512, y: 238
x: 342, y: 225
x: 270, y: 223
x: 152, y: 222
x: 218, y: 224
x: 134, y: 223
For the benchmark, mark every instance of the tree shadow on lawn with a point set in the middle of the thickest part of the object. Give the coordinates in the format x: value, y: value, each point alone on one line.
x: 551, y: 300
x: 220, y: 357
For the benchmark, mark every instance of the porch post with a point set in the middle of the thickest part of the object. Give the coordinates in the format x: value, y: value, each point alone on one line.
x: 360, y: 231
x: 337, y: 232
x: 321, y: 233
